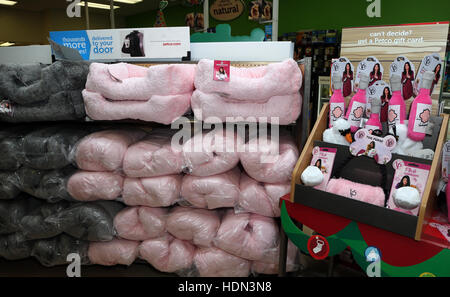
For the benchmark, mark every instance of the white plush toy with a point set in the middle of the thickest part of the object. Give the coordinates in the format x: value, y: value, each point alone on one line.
x: 312, y: 176
x: 338, y: 134
x: 406, y: 198
x: 407, y: 147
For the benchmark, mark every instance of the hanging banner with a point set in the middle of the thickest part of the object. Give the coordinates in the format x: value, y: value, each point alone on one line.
x: 226, y: 10
x: 416, y: 43
x: 127, y: 44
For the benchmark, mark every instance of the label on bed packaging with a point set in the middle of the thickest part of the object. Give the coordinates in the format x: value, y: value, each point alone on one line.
x: 6, y: 107
x: 423, y: 114
x: 356, y: 113
x: 367, y: 144
x: 408, y: 174
x: 323, y: 158
x: 221, y: 70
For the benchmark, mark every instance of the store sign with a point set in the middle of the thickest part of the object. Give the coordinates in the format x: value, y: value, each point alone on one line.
x: 387, y: 43
x: 127, y: 44
x: 226, y: 10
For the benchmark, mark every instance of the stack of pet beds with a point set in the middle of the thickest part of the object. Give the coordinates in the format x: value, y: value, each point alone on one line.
x: 269, y: 93
x: 160, y: 93
x: 42, y: 93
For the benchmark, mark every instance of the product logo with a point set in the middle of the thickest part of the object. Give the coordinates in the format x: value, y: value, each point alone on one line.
x: 353, y: 193
x: 74, y: 9
x: 427, y: 61
x: 394, y: 68
x: 373, y: 256
x: 362, y: 66
x: 318, y: 247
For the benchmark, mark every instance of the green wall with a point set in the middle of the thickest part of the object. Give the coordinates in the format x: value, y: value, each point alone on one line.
x: 331, y: 14
x: 298, y: 15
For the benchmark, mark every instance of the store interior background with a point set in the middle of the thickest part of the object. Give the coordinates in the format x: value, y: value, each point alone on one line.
x: 30, y: 21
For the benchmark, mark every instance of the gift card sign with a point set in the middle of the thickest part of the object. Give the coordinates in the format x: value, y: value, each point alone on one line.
x: 376, y: 147
x: 344, y: 68
x: 408, y: 174
x: 323, y: 158
x: 221, y: 70
x: 406, y: 70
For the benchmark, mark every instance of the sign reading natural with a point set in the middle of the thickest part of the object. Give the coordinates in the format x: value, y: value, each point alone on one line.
x: 226, y: 10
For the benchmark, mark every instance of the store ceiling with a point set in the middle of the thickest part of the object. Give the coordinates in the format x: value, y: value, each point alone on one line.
x: 125, y: 9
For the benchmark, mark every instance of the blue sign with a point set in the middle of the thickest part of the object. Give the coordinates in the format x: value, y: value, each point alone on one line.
x: 77, y: 40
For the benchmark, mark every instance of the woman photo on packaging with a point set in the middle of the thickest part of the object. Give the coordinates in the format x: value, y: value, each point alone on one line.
x: 221, y: 74
x: 347, y: 78
x: 437, y: 76
x: 385, y: 104
x: 407, y: 79
x: 404, y: 182
x: 375, y: 75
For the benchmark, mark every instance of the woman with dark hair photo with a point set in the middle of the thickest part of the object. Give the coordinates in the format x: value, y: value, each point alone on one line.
x: 437, y: 76
x: 385, y: 104
x: 407, y: 79
x: 375, y: 75
x: 404, y: 182
x: 221, y: 74
x: 347, y: 78
x: 318, y: 164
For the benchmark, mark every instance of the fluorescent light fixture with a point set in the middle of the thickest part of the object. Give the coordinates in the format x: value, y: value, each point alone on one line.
x: 7, y: 44
x: 8, y: 2
x: 128, y: 1
x: 98, y: 5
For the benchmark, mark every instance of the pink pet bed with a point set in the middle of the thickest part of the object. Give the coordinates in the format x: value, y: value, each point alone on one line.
x: 141, y: 223
x: 211, y: 153
x: 213, y: 262
x: 256, y: 84
x: 91, y: 186
x: 153, y: 156
x: 158, y: 108
x: 111, y: 253
x: 213, y: 108
x: 167, y: 254
x: 262, y: 162
x: 357, y: 191
x: 105, y: 150
x: 221, y: 190
x: 196, y: 225
x: 136, y: 83
x: 158, y: 191
x: 249, y: 236
x: 261, y: 198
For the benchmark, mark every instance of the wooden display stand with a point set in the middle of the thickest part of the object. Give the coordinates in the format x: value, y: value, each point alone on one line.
x: 364, y: 212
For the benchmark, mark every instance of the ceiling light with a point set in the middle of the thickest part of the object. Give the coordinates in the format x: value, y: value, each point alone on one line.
x: 7, y: 44
x: 98, y: 5
x: 8, y: 2
x: 128, y: 1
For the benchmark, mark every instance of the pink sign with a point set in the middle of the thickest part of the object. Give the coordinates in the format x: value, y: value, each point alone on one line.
x: 221, y: 70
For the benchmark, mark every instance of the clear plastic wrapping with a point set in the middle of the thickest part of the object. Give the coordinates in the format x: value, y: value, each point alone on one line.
x: 196, y: 225
x: 92, y: 186
x: 141, y: 223
x: 10, y: 142
x: 15, y: 246
x: 221, y: 190
x: 54, y: 251
x: 249, y: 236
x: 160, y: 191
x: 270, y: 161
x: 153, y: 156
x: 261, y: 198
x: 214, y: 262
x: 12, y: 212
x: 270, y: 263
x: 211, y: 153
x: 88, y: 221
x: 114, y: 252
x: 105, y: 150
x: 9, y: 185
x: 167, y: 254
